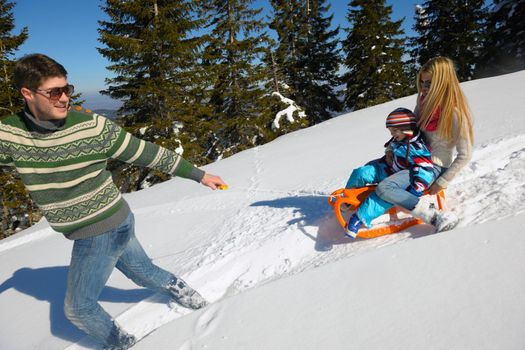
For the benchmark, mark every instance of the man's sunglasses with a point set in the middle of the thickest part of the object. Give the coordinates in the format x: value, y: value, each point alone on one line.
x: 426, y: 84
x: 54, y: 94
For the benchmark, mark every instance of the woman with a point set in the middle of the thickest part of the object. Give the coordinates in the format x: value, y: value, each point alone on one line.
x: 446, y: 121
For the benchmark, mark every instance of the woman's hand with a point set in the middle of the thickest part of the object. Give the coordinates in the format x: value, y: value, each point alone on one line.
x: 213, y: 182
x: 435, y: 188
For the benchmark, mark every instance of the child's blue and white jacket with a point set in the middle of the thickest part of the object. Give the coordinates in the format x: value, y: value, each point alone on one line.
x: 414, y: 154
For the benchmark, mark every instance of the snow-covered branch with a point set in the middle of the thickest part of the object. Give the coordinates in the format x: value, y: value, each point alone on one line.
x: 288, y: 111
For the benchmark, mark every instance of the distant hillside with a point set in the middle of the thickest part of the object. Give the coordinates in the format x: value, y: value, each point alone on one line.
x: 108, y: 113
x: 95, y: 101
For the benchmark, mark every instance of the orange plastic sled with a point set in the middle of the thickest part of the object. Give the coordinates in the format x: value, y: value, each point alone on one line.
x: 353, y: 198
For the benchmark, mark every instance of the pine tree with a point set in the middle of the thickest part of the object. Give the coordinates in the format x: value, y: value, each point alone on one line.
x: 279, y: 104
x: 288, y: 21
x: 419, y: 43
x: 10, y: 99
x: 307, y: 56
x: 318, y: 64
x: 154, y: 57
x: 454, y: 29
x: 17, y: 207
x: 233, y: 56
x: 504, y: 51
x: 374, y: 51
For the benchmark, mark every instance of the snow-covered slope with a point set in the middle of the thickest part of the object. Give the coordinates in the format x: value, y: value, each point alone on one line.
x: 270, y: 254
x: 457, y: 290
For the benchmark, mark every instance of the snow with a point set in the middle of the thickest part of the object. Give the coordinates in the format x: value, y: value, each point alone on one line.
x: 270, y: 256
x: 179, y: 150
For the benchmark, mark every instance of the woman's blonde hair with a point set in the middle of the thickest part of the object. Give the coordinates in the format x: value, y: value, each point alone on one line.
x: 445, y: 93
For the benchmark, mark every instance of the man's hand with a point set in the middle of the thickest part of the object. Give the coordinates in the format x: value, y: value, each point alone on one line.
x: 435, y: 188
x: 212, y: 181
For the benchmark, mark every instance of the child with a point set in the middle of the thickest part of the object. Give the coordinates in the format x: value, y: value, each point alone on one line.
x: 406, y: 150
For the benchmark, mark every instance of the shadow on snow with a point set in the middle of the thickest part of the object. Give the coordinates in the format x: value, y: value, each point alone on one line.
x: 315, y: 211
x: 49, y: 284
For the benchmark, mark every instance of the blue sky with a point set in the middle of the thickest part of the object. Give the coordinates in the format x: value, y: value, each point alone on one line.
x: 66, y: 30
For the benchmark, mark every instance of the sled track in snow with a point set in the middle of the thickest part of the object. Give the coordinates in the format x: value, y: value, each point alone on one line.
x: 276, y: 233
x: 494, y: 180
x: 276, y: 236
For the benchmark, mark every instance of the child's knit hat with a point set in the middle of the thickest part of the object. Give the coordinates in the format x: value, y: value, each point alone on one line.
x: 401, y: 118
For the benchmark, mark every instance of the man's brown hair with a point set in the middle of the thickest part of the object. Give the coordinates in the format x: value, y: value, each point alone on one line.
x: 32, y: 70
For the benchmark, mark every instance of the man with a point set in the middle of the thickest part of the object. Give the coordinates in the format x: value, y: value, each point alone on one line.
x: 61, y: 157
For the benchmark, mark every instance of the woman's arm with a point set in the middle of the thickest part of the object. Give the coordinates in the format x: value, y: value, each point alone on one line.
x: 464, y: 149
x: 464, y: 153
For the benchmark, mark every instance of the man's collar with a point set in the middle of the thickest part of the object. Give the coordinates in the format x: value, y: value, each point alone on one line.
x: 43, y: 126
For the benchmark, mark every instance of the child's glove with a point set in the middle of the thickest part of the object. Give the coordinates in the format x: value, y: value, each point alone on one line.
x: 415, y: 192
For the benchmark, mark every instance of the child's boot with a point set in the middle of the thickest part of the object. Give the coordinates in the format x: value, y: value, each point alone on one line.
x: 353, y: 226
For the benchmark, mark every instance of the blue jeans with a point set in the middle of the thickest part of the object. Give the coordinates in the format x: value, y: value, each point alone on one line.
x: 393, y: 188
x: 92, y: 261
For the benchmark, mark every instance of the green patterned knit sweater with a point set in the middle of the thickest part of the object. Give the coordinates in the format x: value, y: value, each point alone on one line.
x: 65, y: 170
